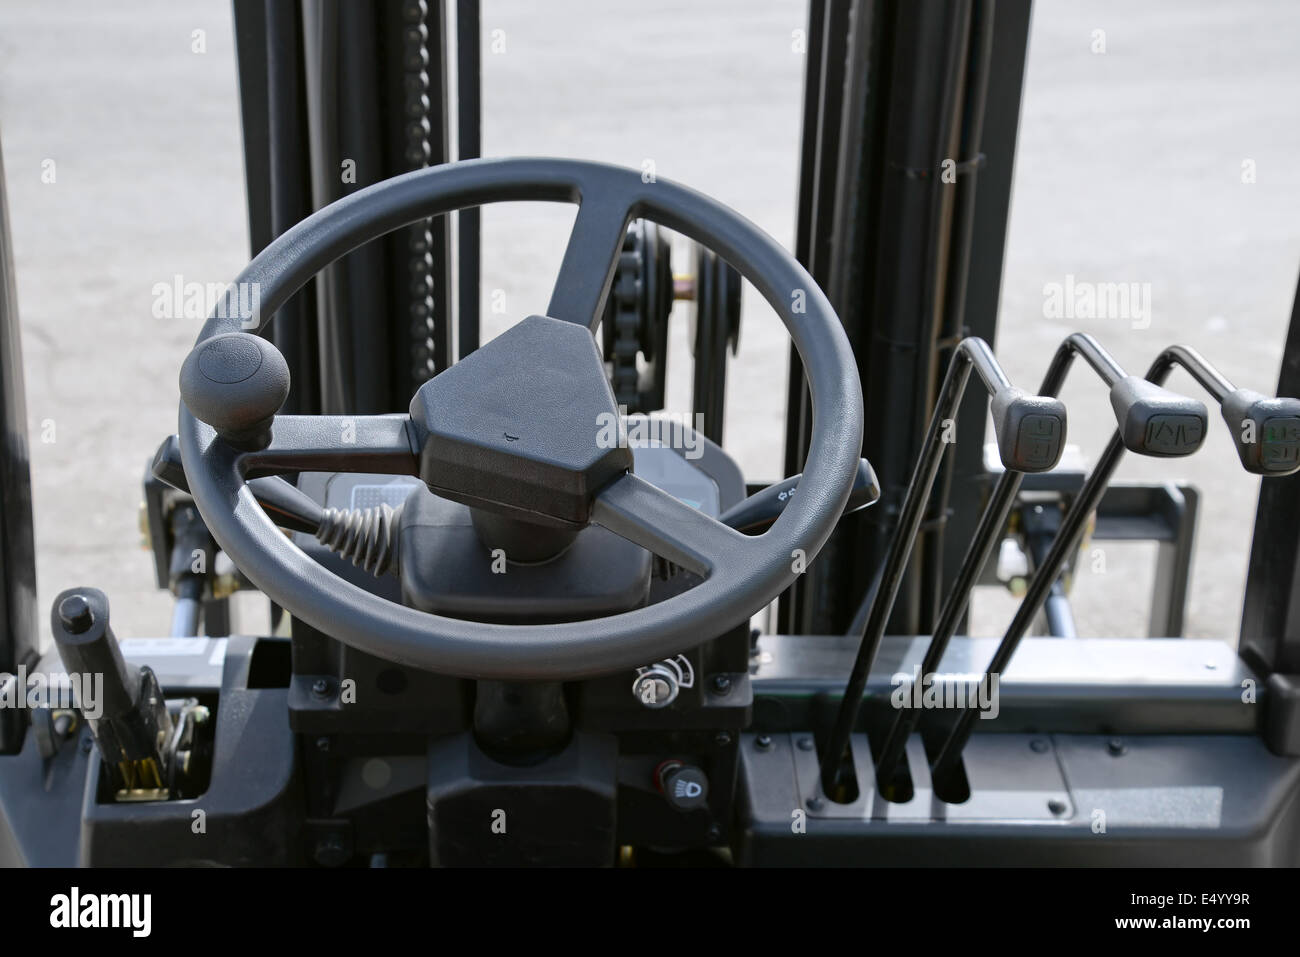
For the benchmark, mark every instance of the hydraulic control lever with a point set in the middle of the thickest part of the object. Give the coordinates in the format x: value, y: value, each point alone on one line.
x: 1030, y: 433
x: 1152, y: 421
x: 757, y: 512
x: 1264, y: 431
x: 1266, y: 435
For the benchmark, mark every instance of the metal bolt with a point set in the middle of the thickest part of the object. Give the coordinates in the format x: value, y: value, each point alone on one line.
x: 722, y: 739
x: 763, y: 742
x: 322, y: 744
x: 721, y: 684
x: 1056, y: 806
x: 805, y: 744
x: 1116, y: 747
x: 1039, y: 746
x: 320, y: 687
x: 815, y: 804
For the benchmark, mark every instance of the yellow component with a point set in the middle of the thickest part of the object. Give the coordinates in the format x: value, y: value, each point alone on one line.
x: 223, y: 586
x: 70, y: 715
x: 141, y: 775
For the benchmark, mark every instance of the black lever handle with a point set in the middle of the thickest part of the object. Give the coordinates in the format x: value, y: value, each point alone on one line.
x: 282, y: 501
x: 760, y: 510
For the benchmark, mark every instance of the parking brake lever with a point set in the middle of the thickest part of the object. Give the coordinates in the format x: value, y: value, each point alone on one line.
x: 282, y: 501
x: 757, y: 513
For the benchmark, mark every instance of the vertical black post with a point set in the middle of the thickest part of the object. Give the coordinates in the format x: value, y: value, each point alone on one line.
x: 1270, y: 621
x: 18, y: 641
x: 824, y: 79
x: 283, y: 164
x: 470, y: 146
x: 887, y: 241
x: 439, y: 151
x: 969, y: 482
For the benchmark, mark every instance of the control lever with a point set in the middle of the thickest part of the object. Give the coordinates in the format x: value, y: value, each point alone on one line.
x: 758, y: 512
x: 122, y: 703
x: 1030, y: 432
x: 1150, y: 421
x: 367, y: 536
x: 282, y: 501
x: 1265, y: 433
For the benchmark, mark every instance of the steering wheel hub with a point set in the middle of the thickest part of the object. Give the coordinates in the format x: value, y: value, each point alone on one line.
x: 517, y: 426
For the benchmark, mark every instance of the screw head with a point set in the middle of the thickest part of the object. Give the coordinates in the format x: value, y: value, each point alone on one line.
x: 320, y: 687
x: 322, y: 744
x: 805, y: 744
x: 1116, y: 747
x: 815, y: 804
x: 1056, y: 806
x: 722, y: 739
x: 721, y: 684
x: 1039, y: 746
x: 763, y: 742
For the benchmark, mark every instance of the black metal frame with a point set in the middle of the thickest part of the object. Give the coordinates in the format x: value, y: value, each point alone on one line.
x: 310, y: 102
x: 1164, y: 513
x: 1270, y: 623
x: 892, y: 91
x: 18, y: 618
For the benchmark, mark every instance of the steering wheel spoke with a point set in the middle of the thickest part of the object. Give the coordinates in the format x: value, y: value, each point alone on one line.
x: 335, y: 443
x: 632, y: 508
x: 590, y: 259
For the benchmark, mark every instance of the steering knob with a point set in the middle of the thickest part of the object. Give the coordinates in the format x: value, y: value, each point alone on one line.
x: 236, y: 383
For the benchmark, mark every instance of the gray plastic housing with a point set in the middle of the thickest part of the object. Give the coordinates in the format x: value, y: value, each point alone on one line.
x: 1030, y: 430
x: 1265, y: 431
x: 447, y: 570
x: 1154, y: 421
x: 525, y: 426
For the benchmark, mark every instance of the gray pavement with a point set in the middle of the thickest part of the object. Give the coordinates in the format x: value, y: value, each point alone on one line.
x: 1129, y: 170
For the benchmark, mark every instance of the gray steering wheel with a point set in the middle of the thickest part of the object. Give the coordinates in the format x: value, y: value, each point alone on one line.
x: 234, y: 383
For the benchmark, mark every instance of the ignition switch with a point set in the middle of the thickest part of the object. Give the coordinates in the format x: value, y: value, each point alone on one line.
x: 657, y: 685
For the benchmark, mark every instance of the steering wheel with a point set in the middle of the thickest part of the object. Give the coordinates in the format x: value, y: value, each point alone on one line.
x: 512, y: 431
